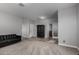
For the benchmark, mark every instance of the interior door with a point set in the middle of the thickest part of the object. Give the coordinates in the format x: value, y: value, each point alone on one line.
x: 40, y: 31
x: 25, y: 30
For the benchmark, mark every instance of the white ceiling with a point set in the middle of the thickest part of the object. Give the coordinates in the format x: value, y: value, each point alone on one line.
x: 33, y: 10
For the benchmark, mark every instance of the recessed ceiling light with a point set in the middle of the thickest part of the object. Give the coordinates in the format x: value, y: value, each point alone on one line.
x: 42, y: 17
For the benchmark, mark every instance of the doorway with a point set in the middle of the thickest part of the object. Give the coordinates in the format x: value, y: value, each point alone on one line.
x: 41, y: 31
x: 50, y: 31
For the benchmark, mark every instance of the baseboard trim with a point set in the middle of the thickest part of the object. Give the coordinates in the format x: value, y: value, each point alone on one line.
x: 69, y: 46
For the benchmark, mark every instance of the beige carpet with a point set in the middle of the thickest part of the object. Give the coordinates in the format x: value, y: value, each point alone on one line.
x: 37, y: 47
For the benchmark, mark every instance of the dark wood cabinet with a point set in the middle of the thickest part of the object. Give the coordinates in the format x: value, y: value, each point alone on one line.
x: 40, y: 31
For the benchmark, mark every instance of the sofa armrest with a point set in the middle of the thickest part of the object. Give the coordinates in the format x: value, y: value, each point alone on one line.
x: 18, y: 37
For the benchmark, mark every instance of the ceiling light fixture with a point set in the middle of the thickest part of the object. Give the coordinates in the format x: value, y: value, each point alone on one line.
x: 42, y: 17
x: 21, y: 4
x: 24, y: 4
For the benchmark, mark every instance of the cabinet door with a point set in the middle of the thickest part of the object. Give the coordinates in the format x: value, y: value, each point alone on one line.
x: 40, y: 31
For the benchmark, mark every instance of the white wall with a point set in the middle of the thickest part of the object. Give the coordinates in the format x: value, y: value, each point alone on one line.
x: 67, y: 26
x: 28, y: 29
x: 10, y: 24
x: 54, y: 22
x: 25, y: 30
x: 55, y: 27
x: 78, y: 26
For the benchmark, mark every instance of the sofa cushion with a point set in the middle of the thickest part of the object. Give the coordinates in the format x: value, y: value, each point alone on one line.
x: 2, y: 37
x: 11, y: 40
x: 8, y: 36
x: 14, y: 35
x: 5, y: 37
x: 3, y: 41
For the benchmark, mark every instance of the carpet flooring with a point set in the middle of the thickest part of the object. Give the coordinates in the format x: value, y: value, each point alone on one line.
x: 37, y: 47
